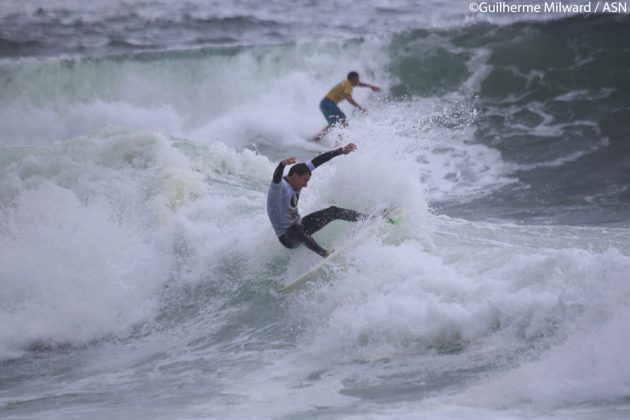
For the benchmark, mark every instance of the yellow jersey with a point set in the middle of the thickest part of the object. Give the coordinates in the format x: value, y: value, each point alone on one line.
x: 340, y: 92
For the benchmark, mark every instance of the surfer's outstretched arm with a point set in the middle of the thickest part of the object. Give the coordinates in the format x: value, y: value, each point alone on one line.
x: 325, y: 157
x: 373, y: 87
x: 355, y: 104
x: 277, y: 174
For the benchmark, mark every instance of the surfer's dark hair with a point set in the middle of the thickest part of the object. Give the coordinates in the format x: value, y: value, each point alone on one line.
x: 299, y: 168
x: 353, y: 75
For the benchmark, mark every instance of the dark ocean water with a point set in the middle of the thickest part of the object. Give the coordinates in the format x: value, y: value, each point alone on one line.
x: 555, y: 104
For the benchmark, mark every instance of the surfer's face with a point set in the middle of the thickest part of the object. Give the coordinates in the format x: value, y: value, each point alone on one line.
x: 299, y: 181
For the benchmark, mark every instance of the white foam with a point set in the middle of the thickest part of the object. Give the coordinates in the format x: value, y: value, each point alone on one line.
x: 590, y: 365
x: 92, y: 229
x: 71, y: 273
x: 441, y: 296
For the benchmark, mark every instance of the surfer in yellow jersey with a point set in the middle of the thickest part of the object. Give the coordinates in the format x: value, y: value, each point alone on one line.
x: 337, y: 94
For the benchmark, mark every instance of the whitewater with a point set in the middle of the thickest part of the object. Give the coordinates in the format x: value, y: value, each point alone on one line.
x: 139, y: 273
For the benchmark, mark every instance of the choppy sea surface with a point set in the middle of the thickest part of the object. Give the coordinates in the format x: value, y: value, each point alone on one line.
x: 139, y: 272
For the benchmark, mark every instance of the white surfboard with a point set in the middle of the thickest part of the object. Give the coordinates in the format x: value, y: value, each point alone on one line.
x: 321, y: 267
x: 315, y: 271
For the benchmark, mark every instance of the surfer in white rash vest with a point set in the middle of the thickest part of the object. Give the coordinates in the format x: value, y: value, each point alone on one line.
x: 282, y: 203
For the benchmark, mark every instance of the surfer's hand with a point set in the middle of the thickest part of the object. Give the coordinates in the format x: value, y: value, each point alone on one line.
x: 328, y: 253
x: 289, y: 161
x: 350, y: 147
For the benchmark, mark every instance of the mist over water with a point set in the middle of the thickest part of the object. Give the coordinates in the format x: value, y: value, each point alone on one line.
x: 139, y: 274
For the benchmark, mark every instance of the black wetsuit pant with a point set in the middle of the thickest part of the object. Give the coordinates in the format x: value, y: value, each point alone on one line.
x: 301, y: 233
